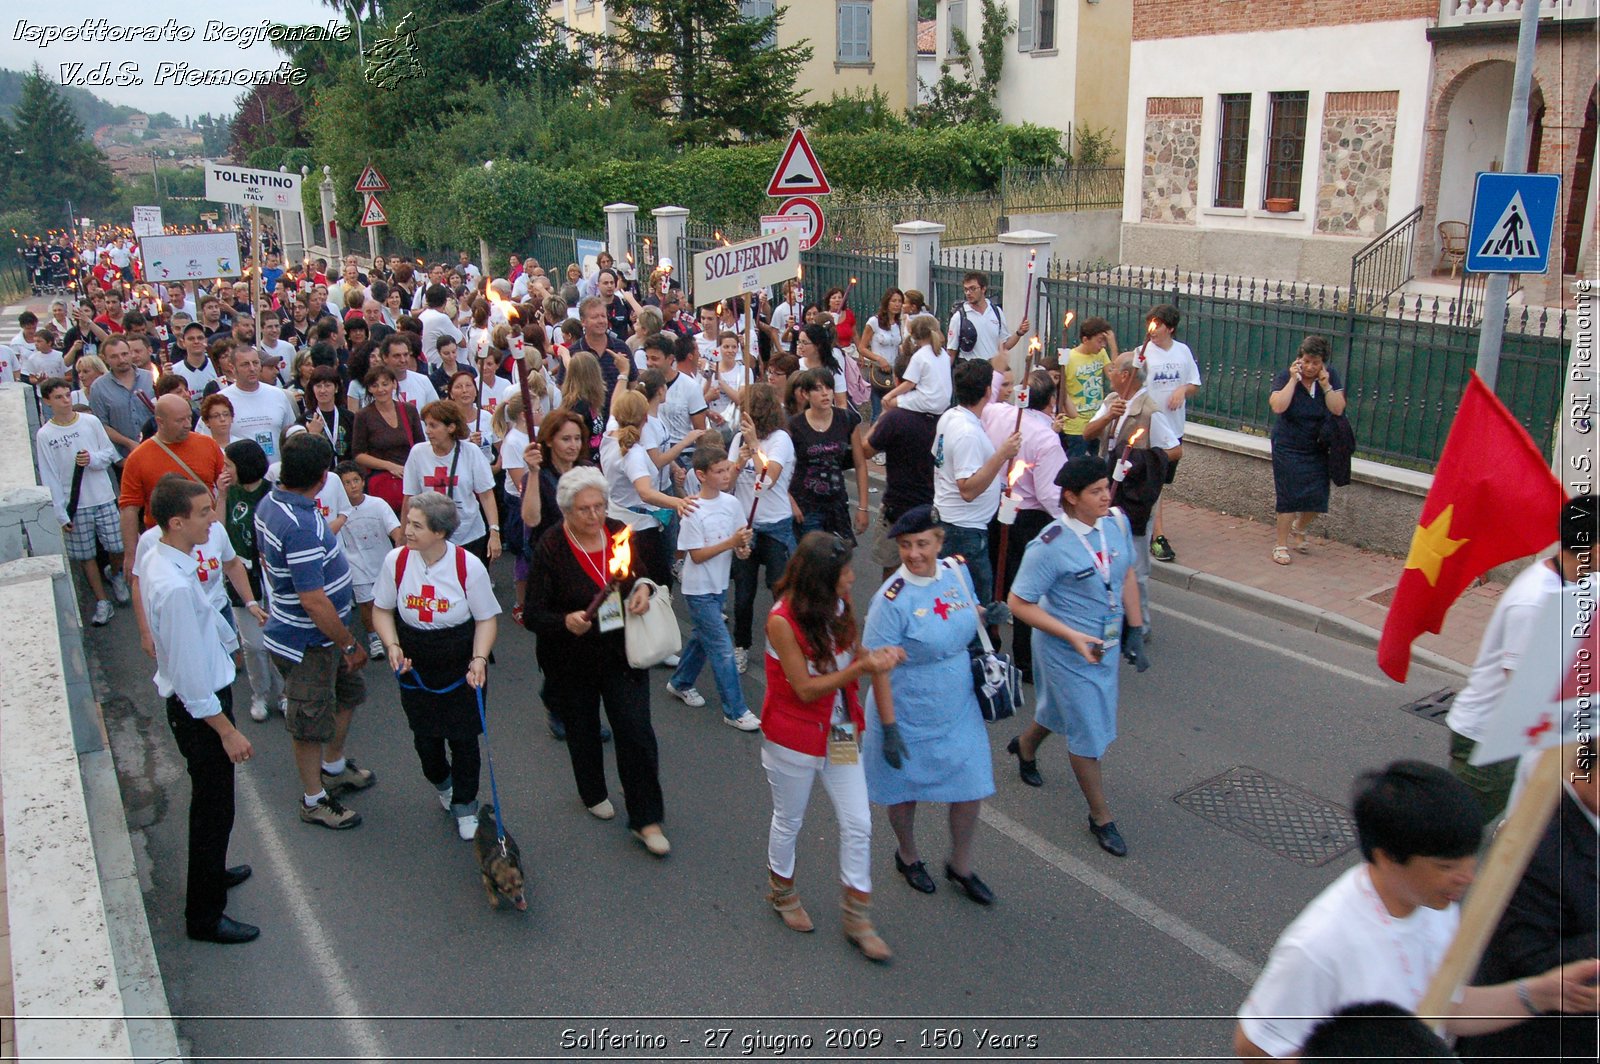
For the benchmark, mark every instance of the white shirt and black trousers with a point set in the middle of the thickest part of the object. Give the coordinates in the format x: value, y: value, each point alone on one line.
x: 195, y: 673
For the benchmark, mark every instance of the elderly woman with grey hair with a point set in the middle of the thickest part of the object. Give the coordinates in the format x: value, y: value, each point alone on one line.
x: 435, y: 611
x: 586, y: 660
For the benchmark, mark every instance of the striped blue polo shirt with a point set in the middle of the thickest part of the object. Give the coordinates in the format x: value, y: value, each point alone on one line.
x: 298, y: 553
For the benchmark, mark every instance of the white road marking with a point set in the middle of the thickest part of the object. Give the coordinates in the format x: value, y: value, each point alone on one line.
x: 307, y: 923
x: 1307, y: 659
x: 1207, y: 947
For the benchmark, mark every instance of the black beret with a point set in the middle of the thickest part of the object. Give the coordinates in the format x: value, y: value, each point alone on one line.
x: 917, y: 519
x: 1080, y: 472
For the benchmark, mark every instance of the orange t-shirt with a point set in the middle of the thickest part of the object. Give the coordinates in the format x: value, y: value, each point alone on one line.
x: 148, y: 463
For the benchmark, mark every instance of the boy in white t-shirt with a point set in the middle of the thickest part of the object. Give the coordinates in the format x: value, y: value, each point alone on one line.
x: 370, y: 532
x: 70, y: 441
x: 1171, y: 375
x: 1379, y: 932
x: 711, y: 535
x: 925, y: 386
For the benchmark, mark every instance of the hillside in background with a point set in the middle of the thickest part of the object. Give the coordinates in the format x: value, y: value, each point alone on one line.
x: 91, y: 110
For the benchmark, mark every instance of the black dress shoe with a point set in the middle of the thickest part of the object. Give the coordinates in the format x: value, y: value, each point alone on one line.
x: 227, y: 931
x: 235, y: 875
x: 971, y: 886
x: 1109, y: 838
x: 916, y: 874
x: 1028, y: 770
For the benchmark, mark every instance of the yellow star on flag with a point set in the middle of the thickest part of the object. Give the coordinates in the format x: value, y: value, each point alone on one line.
x: 1431, y: 545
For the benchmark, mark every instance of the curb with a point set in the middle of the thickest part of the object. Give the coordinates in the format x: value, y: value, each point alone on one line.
x: 1291, y: 612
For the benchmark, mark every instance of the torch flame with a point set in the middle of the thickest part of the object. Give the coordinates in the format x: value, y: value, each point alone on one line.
x: 506, y: 306
x: 1135, y: 438
x: 621, y: 554
x: 630, y: 258
x: 1017, y: 469
x: 761, y: 456
x: 800, y: 273
x: 1033, y: 346
x: 1066, y: 322
x: 1150, y: 330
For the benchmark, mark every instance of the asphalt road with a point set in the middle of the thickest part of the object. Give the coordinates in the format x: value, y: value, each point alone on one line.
x: 378, y: 943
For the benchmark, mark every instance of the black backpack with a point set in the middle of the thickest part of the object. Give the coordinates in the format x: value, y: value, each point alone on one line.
x: 967, y: 333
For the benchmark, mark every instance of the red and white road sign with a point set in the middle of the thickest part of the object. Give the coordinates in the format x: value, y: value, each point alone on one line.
x: 805, y: 215
x: 371, y: 181
x: 372, y: 214
x: 798, y: 172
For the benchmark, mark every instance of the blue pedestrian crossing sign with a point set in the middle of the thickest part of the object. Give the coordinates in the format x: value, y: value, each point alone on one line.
x: 1513, y: 220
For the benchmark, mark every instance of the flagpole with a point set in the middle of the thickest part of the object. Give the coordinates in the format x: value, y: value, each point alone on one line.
x: 1508, y: 857
x: 1492, y: 332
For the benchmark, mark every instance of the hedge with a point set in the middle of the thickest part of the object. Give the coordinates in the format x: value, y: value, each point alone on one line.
x: 721, y: 184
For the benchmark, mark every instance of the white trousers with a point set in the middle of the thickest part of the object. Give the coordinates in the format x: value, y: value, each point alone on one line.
x: 265, y: 683
x: 791, y: 774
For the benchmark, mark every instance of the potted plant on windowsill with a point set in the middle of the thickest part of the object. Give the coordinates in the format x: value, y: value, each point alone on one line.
x: 1279, y: 204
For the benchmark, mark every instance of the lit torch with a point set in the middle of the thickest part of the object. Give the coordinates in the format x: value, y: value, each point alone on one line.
x: 1149, y: 331
x: 1124, y: 464
x: 1027, y: 297
x: 847, y: 290
x: 618, y: 568
x: 761, y: 474
x: 800, y: 285
x: 510, y: 309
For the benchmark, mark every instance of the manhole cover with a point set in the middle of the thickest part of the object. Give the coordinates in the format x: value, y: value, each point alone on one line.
x: 1278, y: 815
x: 1432, y: 707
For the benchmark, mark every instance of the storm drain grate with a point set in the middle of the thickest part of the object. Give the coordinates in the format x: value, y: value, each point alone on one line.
x: 1278, y: 815
x: 1432, y: 707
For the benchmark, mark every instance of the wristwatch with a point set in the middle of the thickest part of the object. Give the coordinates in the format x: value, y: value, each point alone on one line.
x: 494, y: 528
x: 351, y: 649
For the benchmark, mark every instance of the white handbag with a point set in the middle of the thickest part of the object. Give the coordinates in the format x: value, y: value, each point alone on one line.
x: 652, y: 636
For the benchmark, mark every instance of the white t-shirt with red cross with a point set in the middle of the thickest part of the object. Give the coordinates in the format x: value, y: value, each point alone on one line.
x: 435, y: 596
x: 209, y: 557
x: 426, y: 471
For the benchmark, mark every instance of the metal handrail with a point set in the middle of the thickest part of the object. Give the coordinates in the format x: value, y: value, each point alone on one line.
x: 1385, y: 264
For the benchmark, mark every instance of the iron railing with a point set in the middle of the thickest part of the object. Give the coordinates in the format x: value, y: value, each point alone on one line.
x: 1404, y: 361
x: 949, y: 265
x: 1385, y: 264
x: 1034, y: 189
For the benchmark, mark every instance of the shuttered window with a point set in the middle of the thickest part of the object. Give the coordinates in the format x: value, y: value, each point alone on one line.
x: 855, y: 32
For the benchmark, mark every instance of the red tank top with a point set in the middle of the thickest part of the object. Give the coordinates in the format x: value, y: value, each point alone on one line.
x: 785, y: 719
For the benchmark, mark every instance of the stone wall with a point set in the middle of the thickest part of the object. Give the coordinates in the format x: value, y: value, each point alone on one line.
x: 1165, y: 19
x: 1357, y: 160
x: 1170, y: 187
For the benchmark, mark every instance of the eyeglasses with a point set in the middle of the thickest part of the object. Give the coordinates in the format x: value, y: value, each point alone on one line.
x: 597, y: 510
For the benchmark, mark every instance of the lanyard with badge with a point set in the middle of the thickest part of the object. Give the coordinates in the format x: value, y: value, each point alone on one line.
x: 609, y: 616
x: 1111, y: 631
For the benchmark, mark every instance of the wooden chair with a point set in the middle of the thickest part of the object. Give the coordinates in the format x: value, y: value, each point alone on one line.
x: 1453, y: 244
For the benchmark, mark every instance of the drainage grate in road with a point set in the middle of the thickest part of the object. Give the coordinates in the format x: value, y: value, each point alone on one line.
x: 1278, y: 815
x: 1432, y: 707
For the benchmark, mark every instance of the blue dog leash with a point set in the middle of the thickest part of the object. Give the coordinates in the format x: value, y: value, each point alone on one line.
x: 488, y: 749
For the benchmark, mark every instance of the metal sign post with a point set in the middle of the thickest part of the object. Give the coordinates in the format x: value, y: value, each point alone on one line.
x: 1492, y: 333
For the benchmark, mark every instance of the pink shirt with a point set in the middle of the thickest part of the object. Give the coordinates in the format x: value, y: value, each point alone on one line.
x: 1041, y: 450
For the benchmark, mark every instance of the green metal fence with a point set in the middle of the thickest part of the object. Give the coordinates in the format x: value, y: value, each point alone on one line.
x: 873, y: 276
x: 1025, y: 189
x: 1405, y: 364
x: 949, y: 266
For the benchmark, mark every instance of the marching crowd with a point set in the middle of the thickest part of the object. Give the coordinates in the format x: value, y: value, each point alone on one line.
x: 324, y: 480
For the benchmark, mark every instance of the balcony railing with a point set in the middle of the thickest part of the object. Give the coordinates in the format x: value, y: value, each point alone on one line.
x: 1481, y: 12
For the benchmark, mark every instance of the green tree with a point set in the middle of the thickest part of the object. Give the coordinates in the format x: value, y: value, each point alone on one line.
x: 47, y: 160
x: 718, y: 76
x: 970, y: 97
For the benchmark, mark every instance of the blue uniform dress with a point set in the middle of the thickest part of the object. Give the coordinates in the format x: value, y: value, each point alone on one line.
x: 1077, y: 697
x: 934, y: 704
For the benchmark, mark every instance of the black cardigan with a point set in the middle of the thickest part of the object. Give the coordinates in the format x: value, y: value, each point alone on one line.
x: 557, y: 585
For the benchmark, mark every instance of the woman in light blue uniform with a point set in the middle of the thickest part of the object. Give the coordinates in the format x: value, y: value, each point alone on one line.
x: 925, y: 740
x: 1076, y: 588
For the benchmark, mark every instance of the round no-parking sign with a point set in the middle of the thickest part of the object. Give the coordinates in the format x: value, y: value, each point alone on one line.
x: 809, y: 213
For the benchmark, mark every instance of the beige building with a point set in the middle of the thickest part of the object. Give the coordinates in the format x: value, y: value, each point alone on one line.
x: 855, y: 44
x: 1066, y: 64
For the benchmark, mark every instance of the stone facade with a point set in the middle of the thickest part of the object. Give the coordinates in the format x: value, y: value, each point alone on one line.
x: 1163, y: 19
x: 1171, y: 182
x: 1357, y: 160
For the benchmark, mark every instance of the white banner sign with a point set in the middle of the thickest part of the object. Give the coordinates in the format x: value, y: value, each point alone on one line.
x: 147, y: 221
x: 253, y: 188
x: 735, y: 269
x: 1550, y: 698
x: 190, y: 258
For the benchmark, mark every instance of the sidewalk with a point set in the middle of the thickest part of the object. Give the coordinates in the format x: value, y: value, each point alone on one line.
x: 1336, y: 589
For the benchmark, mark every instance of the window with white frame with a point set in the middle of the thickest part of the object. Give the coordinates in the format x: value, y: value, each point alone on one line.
x: 1036, y: 26
x: 956, y: 18
x: 754, y: 9
x: 855, y: 32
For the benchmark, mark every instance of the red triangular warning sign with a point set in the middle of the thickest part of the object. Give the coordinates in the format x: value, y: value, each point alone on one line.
x: 371, y: 181
x: 372, y: 214
x: 798, y: 172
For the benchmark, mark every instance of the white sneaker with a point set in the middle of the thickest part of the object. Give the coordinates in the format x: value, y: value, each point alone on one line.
x: 467, y: 826
x: 603, y: 809
x: 670, y: 661
x: 119, y: 589
x: 283, y: 705
x: 748, y: 722
x: 102, y: 613
x: 374, y: 646
x: 688, y: 696
x: 445, y: 795
x: 741, y: 659
x: 258, y: 709
x: 878, y: 459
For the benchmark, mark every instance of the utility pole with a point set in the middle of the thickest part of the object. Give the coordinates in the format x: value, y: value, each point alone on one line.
x: 1492, y: 334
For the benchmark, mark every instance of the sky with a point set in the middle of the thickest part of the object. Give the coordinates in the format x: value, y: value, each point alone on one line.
x: 20, y: 47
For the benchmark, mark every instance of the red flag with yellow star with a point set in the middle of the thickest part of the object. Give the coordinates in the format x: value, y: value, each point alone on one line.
x: 1493, y: 500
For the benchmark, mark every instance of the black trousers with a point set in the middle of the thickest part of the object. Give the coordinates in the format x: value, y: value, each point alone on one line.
x: 1028, y: 525
x: 575, y: 697
x: 461, y: 767
x: 768, y: 553
x: 210, y: 811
